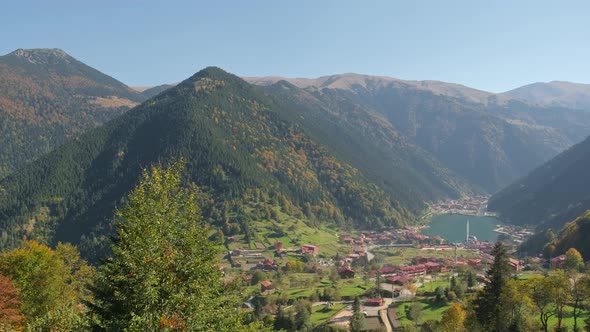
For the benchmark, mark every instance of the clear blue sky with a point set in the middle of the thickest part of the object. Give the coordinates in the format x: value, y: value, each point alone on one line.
x: 491, y: 45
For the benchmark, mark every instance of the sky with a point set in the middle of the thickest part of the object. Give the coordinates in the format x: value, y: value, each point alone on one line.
x: 492, y: 45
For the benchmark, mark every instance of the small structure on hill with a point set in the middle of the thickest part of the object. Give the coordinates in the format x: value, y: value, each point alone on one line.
x: 266, y: 285
x: 310, y: 249
x: 346, y: 272
x: 375, y: 302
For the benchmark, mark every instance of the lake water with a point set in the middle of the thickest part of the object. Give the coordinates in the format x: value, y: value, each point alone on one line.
x: 452, y: 227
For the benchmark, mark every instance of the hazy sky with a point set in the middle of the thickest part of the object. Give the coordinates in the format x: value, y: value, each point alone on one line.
x: 491, y: 45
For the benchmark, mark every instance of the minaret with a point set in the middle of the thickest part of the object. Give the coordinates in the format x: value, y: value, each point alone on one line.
x: 467, y: 236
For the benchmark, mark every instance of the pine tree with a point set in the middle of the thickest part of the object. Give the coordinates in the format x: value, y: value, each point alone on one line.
x: 487, y: 308
x: 163, y: 272
x: 357, y: 322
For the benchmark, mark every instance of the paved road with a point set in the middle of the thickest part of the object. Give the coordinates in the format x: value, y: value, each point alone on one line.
x: 383, y: 316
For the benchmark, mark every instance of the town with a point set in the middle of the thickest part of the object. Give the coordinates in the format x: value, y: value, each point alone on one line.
x: 389, y: 270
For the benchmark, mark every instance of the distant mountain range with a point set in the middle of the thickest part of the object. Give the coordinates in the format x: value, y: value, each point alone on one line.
x: 556, y: 93
x: 489, y: 139
x: 47, y: 98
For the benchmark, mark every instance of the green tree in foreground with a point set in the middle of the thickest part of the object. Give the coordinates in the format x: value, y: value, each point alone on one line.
x: 45, y: 285
x: 357, y: 322
x: 163, y: 273
x: 487, y: 304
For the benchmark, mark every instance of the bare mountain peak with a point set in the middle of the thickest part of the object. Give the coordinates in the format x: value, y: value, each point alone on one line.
x: 42, y: 55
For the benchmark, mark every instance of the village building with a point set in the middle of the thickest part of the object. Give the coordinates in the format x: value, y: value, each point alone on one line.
x: 346, y: 272
x: 375, y: 302
x: 558, y: 262
x: 414, y: 270
x: 398, y: 280
x: 266, y: 285
x: 514, y: 264
x: 310, y: 249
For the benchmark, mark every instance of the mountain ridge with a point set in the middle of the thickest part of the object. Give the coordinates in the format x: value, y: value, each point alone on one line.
x: 48, y: 97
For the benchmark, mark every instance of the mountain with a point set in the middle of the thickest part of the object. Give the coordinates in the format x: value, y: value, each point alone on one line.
x: 488, y: 139
x: 555, y: 93
x: 353, y: 81
x: 47, y: 97
x: 575, y: 234
x: 153, y: 91
x: 551, y: 195
x: 253, y: 157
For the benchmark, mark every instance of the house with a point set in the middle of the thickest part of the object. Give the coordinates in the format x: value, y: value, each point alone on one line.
x: 398, y: 280
x: 514, y: 264
x: 279, y: 246
x: 375, y: 302
x: 558, y: 262
x: 474, y: 262
x: 266, y: 264
x: 346, y: 272
x: 310, y: 249
x: 359, y: 250
x: 346, y: 239
x: 387, y: 270
x: 414, y: 270
x: 265, y: 285
x: 433, y: 267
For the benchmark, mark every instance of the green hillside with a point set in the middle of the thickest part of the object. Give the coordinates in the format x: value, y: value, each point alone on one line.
x: 551, y: 195
x: 246, y: 152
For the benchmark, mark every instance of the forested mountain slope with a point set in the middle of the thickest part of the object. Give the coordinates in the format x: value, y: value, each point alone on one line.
x: 47, y: 97
x: 488, y: 139
x: 551, y: 195
x: 248, y: 153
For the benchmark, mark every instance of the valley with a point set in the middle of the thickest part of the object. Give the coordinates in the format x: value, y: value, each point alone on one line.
x: 342, y: 202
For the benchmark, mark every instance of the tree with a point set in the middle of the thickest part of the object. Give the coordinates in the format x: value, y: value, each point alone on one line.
x: 573, y: 260
x: 415, y: 312
x: 516, y: 306
x: 453, y: 319
x: 163, y: 272
x: 550, y: 295
x: 11, y: 317
x: 357, y: 322
x: 49, y: 300
x: 487, y: 306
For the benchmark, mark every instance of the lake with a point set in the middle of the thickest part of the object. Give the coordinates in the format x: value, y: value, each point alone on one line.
x: 452, y: 227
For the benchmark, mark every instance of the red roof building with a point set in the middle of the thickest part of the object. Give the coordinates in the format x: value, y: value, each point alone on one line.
x: 310, y: 249
x: 558, y: 262
x: 514, y: 264
x: 346, y: 272
x: 398, y: 280
x: 265, y: 285
x: 376, y: 302
x: 414, y: 270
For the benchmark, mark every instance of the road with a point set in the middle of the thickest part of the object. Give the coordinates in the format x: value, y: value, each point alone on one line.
x: 385, y: 320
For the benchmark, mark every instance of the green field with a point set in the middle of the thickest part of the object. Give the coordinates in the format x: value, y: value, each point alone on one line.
x: 404, y: 256
x: 346, y: 287
x: 320, y: 315
x: 429, y: 312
